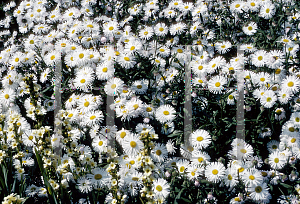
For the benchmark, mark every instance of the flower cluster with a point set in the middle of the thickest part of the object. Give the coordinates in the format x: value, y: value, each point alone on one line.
x: 130, y: 59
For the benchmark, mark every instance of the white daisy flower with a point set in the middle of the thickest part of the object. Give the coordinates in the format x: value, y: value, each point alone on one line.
x: 276, y: 161
x: 214, y: 172
x: 259, y: 58
x: 200, y: 158
x: 84, y: 78
x: 161, y: 188
x: 165, y: 113
x: 268, y: 99
x: 178, y: 28
x: 259, y: 192
x: 267, y: 10
x: 252, y: 177
x: 250, y: 29
x: 84, y: 185
x: 132, y: 144
x: 223, y: 47
x: 93, y: 117
x: 113, y: 86
x: 161, y: 29
x: 159, y: 153
x: 200, y: 139
x: 127, y: 60
x: 215, y: 84
x: 291, y: 84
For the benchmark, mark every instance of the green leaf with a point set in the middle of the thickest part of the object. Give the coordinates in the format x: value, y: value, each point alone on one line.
x: 186, y: 200
x: 286, y: 185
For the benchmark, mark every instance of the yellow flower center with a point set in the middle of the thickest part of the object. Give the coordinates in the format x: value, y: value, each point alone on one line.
x: 6, y: 96
x: 166, y: 112
x: 260, y: 58
x: 291, y: 129
x: 100, y: 143
x: 81, y: 55
x: 113, y: 86
x: 92, y: 117
x: 293, y: 140
x: 181, y: 169
x: 123, y: 134
x: 86, y: 104
x: 82, y: 81
x: 217, y: 84
x: 269, y: 99
x: 126, y: 58
x: 237, y: 6
x: 200, y: 67
x: 199, y: 139
x: 98, y: 176
x: 267, y: 10
x: 158, y: 152
x: 276, y: 160
x: 158, y: 188
x: 133, y: 144
x: 229, y: 177
x: 290, y: 84
x: 215, y: 172
x: 251, y: 177
x: 179, y: 50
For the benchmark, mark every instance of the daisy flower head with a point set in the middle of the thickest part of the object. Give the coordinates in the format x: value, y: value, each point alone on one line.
x: 250, y: 29
x: 140, y: 86
x: 200, y: 139
x: 284, y: 96
x: 236, y: 6
x: 291, y: 84
x: 280, y: 114
x: 100, y: 144
x: 127, y: 60
x: 295, y: 117
x: 86, y: 103
x: 214, y: 64
x: 230, y: 177
x: 104, y: 71
x: 161, y: 29
x: 84, y: 185
x: 81, y: 56
x: 113, y: 86
x: 215, y: 84
x: 177, y: 29
x: 252, y: 177
x: 248, y: 48
x: 159, y: 153
x: 223, y: 47
x: 7, y: 96
x: 146, y: 33
x: 171, y: 147
x: 132, y: 144
x: 259, y: 192
x: 214, y: 172
x: 165, y: 113
x: 93, y: 117
x: 161, y: 188
x: 200, y: 158
x: 253, y: 5
x: 110, y: 28
x: 99, y: 177
x: 182, y: 165
x: 276, y: 161
x: 259, y: 58
x: 267, y: 10
x: 84, y: 78
x: 268, y: 99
